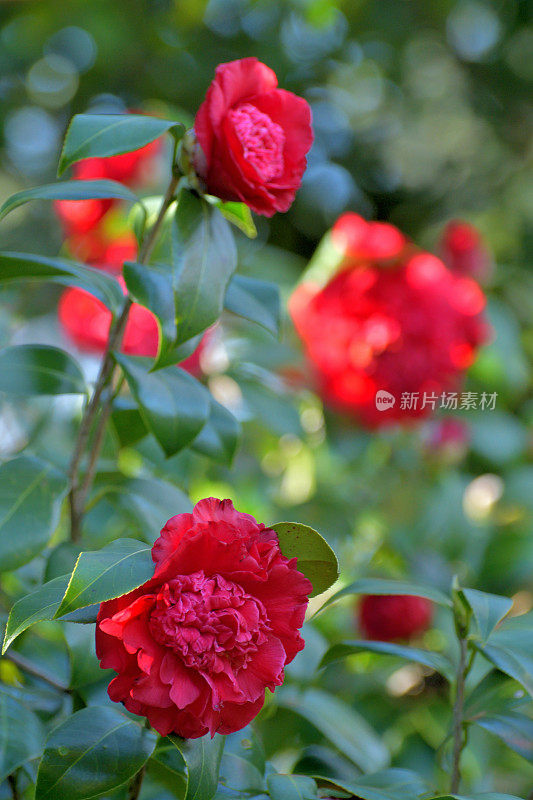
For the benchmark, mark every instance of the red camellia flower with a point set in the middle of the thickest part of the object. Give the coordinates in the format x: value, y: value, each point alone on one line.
x: 86, y: 322
x: 463, y: 250
x: 197, y: 645
x: 389, y: 618
x: 393, y: 328
x: 253, y: 137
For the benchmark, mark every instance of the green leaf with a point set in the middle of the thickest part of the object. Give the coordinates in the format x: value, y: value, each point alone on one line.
x: 21, y: 735
x: 33, y: 369
x: 482, y: 796
x: 339, y: 723
x: 31, y: 493
x: 315, y: 557
x: 510, y: 649
x: 99, y: 575
x: 494, y: 694
x: 152, y: 288
x: 102, y: 135
x: 92, y: 752
x: 292, y: 787
x: 243, y: 762
x: 204, y: 259
x: 255, y: 300
x: 219, y: 437
x: 26, y: 266
x: 385, y: 586
x: 488, y: 609
x: 237, y: 213
x: 41, y: 604
x: 389, y: 784
x: 516, y: 730
x: 174, y: 405
x: 85, y: 667
x: 202, y: 758
x: 429, y: 659
x: 70, y: 190
x: 127, y: 422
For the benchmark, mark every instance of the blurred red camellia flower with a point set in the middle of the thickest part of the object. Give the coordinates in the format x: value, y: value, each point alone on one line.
x: 392, y: 322
x: 463, y: 251
x: 389, y: 618
x: 197, y: 645
x: 447, y: 439
x: 253, y: 137
x: 86, y: 322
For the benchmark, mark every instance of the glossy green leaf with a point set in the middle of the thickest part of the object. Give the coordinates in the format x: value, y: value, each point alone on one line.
x: 488, y: 609
x: 494, y: 694
x: 339, y: 723
x: 100, y: 575
x: 510, y: 648
x: 21, y: 734
x: 127, y: 422
x: 315, y: 557
x: 219, y: 437
x: 238, y: 214
x: 70, y: 190
x: 243, y: 762
x: 255, y: 300
x: 152, y: 288
x: 92, y: 752
x: 516, y: 730
x: 31, y: 493
x: 292, y: 787
x: 432, y: 660
x: 34, y: 369
x: 174, y: 405
x: 385, y: 586
x: 202, y: 758
x: 204, y: 258
x: 389, y: 784
x: 482, y: 796
x: 169, y: 766
x: 102, y: 135
x: 26, y: 266
x: 41, y: 604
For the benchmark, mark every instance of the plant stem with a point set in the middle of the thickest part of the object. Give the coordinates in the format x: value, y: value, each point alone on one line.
x: 28, y: 666
x: 76, y: 495
x: 135, y: 786
x: 458, y: 708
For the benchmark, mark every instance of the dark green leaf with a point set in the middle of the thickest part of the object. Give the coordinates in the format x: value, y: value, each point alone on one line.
x: 202, y: 758
x: 385, y: 586
x: 70, y: 190
x: 432, y: 660
x: 292, y: 787
x: 33, y: 369
x: 238, y: 214
x: 31, y: 493
x: 494, y: 694
x: 219, y: 437
x: 21, y: 734
x: 510, y: 648
x: 102, y: 135
x: 482, y: 796
x: 152, y: 288
x: 41, y: 604
x: 174, y: 406
x: 389, y: 784
x: 100, y: 575
x: 315, y: 557
x: 339, y: 723
x: 127, y: 422
x: 516, y: 730
x: 255, y: 300
x: 243, y: 762
x: 92, y: 752
x: 26, y: 266
x: 488, y: 609
x: 204, y: 259
x: 84, y: 665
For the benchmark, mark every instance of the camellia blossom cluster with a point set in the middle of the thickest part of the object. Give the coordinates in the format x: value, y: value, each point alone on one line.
x: 392, y: 319
x: 390, y: 618
x: 197, y: 645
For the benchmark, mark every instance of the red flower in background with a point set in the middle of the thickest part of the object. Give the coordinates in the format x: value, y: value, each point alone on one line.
x: 253, y: 137
x: 462, y: 249
x: 197, y: 645
x: 392, y: 319
x: 389, y: 618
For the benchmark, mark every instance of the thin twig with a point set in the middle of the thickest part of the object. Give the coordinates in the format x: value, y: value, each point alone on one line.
x: 458, y: 708
x: 28, y: 666
x: 77, y: 495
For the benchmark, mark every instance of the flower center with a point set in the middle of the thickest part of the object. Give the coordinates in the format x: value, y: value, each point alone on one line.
x: 262, y: 140
x: 209, y: 621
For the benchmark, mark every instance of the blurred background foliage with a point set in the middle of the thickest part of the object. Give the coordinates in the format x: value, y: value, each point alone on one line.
x: 422, y: 112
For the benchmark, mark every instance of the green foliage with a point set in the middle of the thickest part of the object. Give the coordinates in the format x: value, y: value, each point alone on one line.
x: 32, y: 369
x: 21, y: 734
x: 70, y: 190
x: 315, y: 557
x: 202, y: 762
